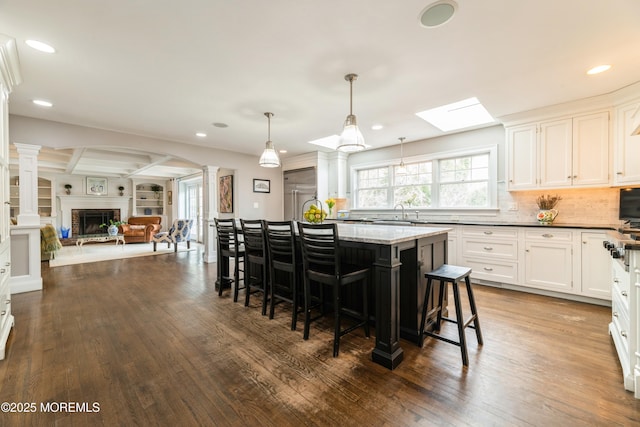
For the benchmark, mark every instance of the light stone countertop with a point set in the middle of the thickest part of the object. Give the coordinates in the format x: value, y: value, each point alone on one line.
x: 386, y: 234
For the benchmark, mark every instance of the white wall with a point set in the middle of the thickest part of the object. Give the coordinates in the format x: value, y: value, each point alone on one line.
x: 244, y: 167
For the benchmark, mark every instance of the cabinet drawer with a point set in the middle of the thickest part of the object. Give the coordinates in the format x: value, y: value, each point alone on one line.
x: 620, y: 278
x: 621, y: 323
x: 495, y: 271
x: 490, y: 248
x: 494, y: 232
x: 549, y: 235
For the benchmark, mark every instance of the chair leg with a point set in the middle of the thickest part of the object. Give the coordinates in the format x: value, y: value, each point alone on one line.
x: 472, y: 303
x: 424, y: 311
x: 307, y: 309
x: 272, y: 305
x: 154, y: 246
x: 365, y: 308
x: 336, y: 326
x: 188, y: 244
x: 175, y: 247
x: 443, y: 290
x: 460, y: 324
x: 294, y: 299
x: 265, y: 288
x: 236, y: 276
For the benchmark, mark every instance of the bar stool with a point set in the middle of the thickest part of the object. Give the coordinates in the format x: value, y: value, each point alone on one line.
x: 256, y: 277
x: 453, y: 274
x: 229, y: 246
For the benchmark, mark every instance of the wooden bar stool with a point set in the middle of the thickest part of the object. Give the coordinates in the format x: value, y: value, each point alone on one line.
x: 454, y: 274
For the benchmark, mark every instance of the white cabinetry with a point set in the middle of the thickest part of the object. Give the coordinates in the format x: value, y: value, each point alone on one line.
x: 6, y: 318
x: 624, y: 320
x: 548, y: 260
x: 568, y: 152
x: 594, y: 268
x: 627, y: 153
x: 148, y: 199
x: 491, y: 253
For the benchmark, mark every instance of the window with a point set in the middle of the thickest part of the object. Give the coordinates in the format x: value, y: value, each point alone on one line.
x: 460, y: 181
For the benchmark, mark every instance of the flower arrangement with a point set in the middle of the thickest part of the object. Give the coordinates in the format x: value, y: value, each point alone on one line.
x: 315, y: 214
x: 112, y: 222
x: 330, y: 204
x: 548, y: 201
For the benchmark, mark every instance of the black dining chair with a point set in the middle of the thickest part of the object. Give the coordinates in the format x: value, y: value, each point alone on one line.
x: 229, y: 247
x: 285, y: 267
x: 322, y: 263
x: 257, y: 261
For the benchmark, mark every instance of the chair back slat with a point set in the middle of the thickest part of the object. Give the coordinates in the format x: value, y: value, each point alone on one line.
x: 280, y: 241
x: 254, y: 238
x: 320, y: 247
x: 227, y: 236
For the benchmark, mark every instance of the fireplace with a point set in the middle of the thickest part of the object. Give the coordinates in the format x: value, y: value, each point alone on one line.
x: 87, y: 221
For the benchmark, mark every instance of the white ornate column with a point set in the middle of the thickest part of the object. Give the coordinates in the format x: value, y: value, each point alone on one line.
x: 210, y: 202
x: 28, y: 176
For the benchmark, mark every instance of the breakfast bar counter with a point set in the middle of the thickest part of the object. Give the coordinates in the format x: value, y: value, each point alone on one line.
x: 400, y: 256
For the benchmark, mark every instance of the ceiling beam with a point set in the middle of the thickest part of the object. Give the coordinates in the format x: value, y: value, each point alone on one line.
x: 156, y: 162
x: 73, y: 161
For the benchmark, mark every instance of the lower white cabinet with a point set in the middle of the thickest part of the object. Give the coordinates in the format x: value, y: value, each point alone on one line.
x: 548, y: 260
x: 6, y: 318
x: 595, y: 268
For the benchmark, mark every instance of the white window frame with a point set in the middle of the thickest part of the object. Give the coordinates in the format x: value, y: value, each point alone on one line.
x: 492, y: 150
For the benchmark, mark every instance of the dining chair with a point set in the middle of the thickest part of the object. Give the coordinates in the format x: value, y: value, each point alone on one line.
x: 256, y: 261
x: 322, y: 263
x: 229, y: 247
x: 285, y: 267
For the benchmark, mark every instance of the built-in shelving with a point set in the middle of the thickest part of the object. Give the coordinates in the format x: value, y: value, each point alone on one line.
x: 149, y: 199
x: 45, y: 197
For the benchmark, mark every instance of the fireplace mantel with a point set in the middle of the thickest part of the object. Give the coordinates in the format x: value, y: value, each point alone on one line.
x: 68, y: 202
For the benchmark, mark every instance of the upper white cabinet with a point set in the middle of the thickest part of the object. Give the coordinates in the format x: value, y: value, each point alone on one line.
x: 569, y: 152
x: 627, y: 166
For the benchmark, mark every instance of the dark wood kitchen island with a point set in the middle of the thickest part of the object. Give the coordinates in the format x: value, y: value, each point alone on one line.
x: 400, y: 256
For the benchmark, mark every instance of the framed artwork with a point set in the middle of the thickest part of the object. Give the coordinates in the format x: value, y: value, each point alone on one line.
x: 261, y: 186
x: 225, y: 192
x: 96, y: 186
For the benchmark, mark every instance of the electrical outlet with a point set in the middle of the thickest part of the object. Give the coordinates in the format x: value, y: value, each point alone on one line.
x: 513, y: 206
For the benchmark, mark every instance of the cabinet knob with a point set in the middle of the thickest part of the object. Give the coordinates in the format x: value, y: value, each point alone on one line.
x: 7, y: 203
x: 3, y: 312
x: 3, y: 270
x: 619, y: 173
x: 488, y: 248
x: 615, y: 314
x: 547, y: 235
x: 575, y: 176
x: 623, y: 333
x: 488, y: 232
x: 624, y: 293
x: 8, y: 301
x: 488, y: 269
x: 8, y: 263
x: 615, y: 280
x: 569, y: 177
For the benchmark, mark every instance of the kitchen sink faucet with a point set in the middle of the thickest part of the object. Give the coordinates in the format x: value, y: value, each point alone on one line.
x: 401, y: 207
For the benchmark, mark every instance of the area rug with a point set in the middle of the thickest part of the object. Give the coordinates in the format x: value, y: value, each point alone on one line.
x: 108, y: 251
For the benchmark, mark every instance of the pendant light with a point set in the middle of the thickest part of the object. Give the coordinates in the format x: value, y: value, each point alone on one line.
x: 402, y: 169
x: 269, y: 158
x: 351, y: 138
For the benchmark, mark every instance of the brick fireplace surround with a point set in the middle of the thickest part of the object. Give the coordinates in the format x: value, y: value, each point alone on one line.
x: 119, y: 205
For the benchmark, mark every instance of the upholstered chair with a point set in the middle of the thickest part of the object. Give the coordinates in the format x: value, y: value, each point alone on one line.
x: 180, y: 231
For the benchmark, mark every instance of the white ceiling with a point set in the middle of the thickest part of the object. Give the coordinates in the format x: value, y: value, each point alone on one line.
x: 169, y: 69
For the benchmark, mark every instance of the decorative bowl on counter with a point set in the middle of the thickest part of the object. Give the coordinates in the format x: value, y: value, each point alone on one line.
x: 314, y: 215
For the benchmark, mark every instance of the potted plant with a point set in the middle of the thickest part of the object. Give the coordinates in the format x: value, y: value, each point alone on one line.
x: 546, y: 205
x: 67, y: 188
x: 112, y: 227
x: 121, y: 189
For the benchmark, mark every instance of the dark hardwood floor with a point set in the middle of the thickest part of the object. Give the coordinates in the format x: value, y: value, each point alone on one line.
x: 150, y: 341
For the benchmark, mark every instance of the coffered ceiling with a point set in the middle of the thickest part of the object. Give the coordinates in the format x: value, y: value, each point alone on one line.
x: 171, y: 69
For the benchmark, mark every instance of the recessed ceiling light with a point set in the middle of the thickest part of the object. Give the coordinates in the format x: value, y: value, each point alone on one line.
x: 376, y: 127
x: 42, y: 103
x: 438, y: 13
x: 201, y: 134
x: 282, y: 151
x: 38, y: 45
x: 459, y: 115
x: 220, y: 125
x: 599, y: 69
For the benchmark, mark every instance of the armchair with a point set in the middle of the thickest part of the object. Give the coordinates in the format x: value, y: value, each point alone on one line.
x: 140, y: 229
x: 180, y: 231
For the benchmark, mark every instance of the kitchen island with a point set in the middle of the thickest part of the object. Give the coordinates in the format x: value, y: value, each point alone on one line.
x: 400, y: 256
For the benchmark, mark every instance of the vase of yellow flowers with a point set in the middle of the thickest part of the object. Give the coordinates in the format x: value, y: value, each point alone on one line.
x: 331, y: 202
x: 546, y: 209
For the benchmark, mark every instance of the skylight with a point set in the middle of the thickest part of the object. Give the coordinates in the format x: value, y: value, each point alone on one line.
x: 459, y: 115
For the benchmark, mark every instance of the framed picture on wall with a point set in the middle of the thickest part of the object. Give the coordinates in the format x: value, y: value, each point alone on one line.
x: 96, y: 186
x: 225, y: 192
x: 261, y: 186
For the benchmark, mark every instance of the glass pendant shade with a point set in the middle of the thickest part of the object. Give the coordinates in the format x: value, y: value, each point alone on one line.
x: 351, y: 138
x: 269, y: 157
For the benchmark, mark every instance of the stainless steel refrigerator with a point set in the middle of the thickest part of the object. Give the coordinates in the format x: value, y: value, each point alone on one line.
x: 299, y: 187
